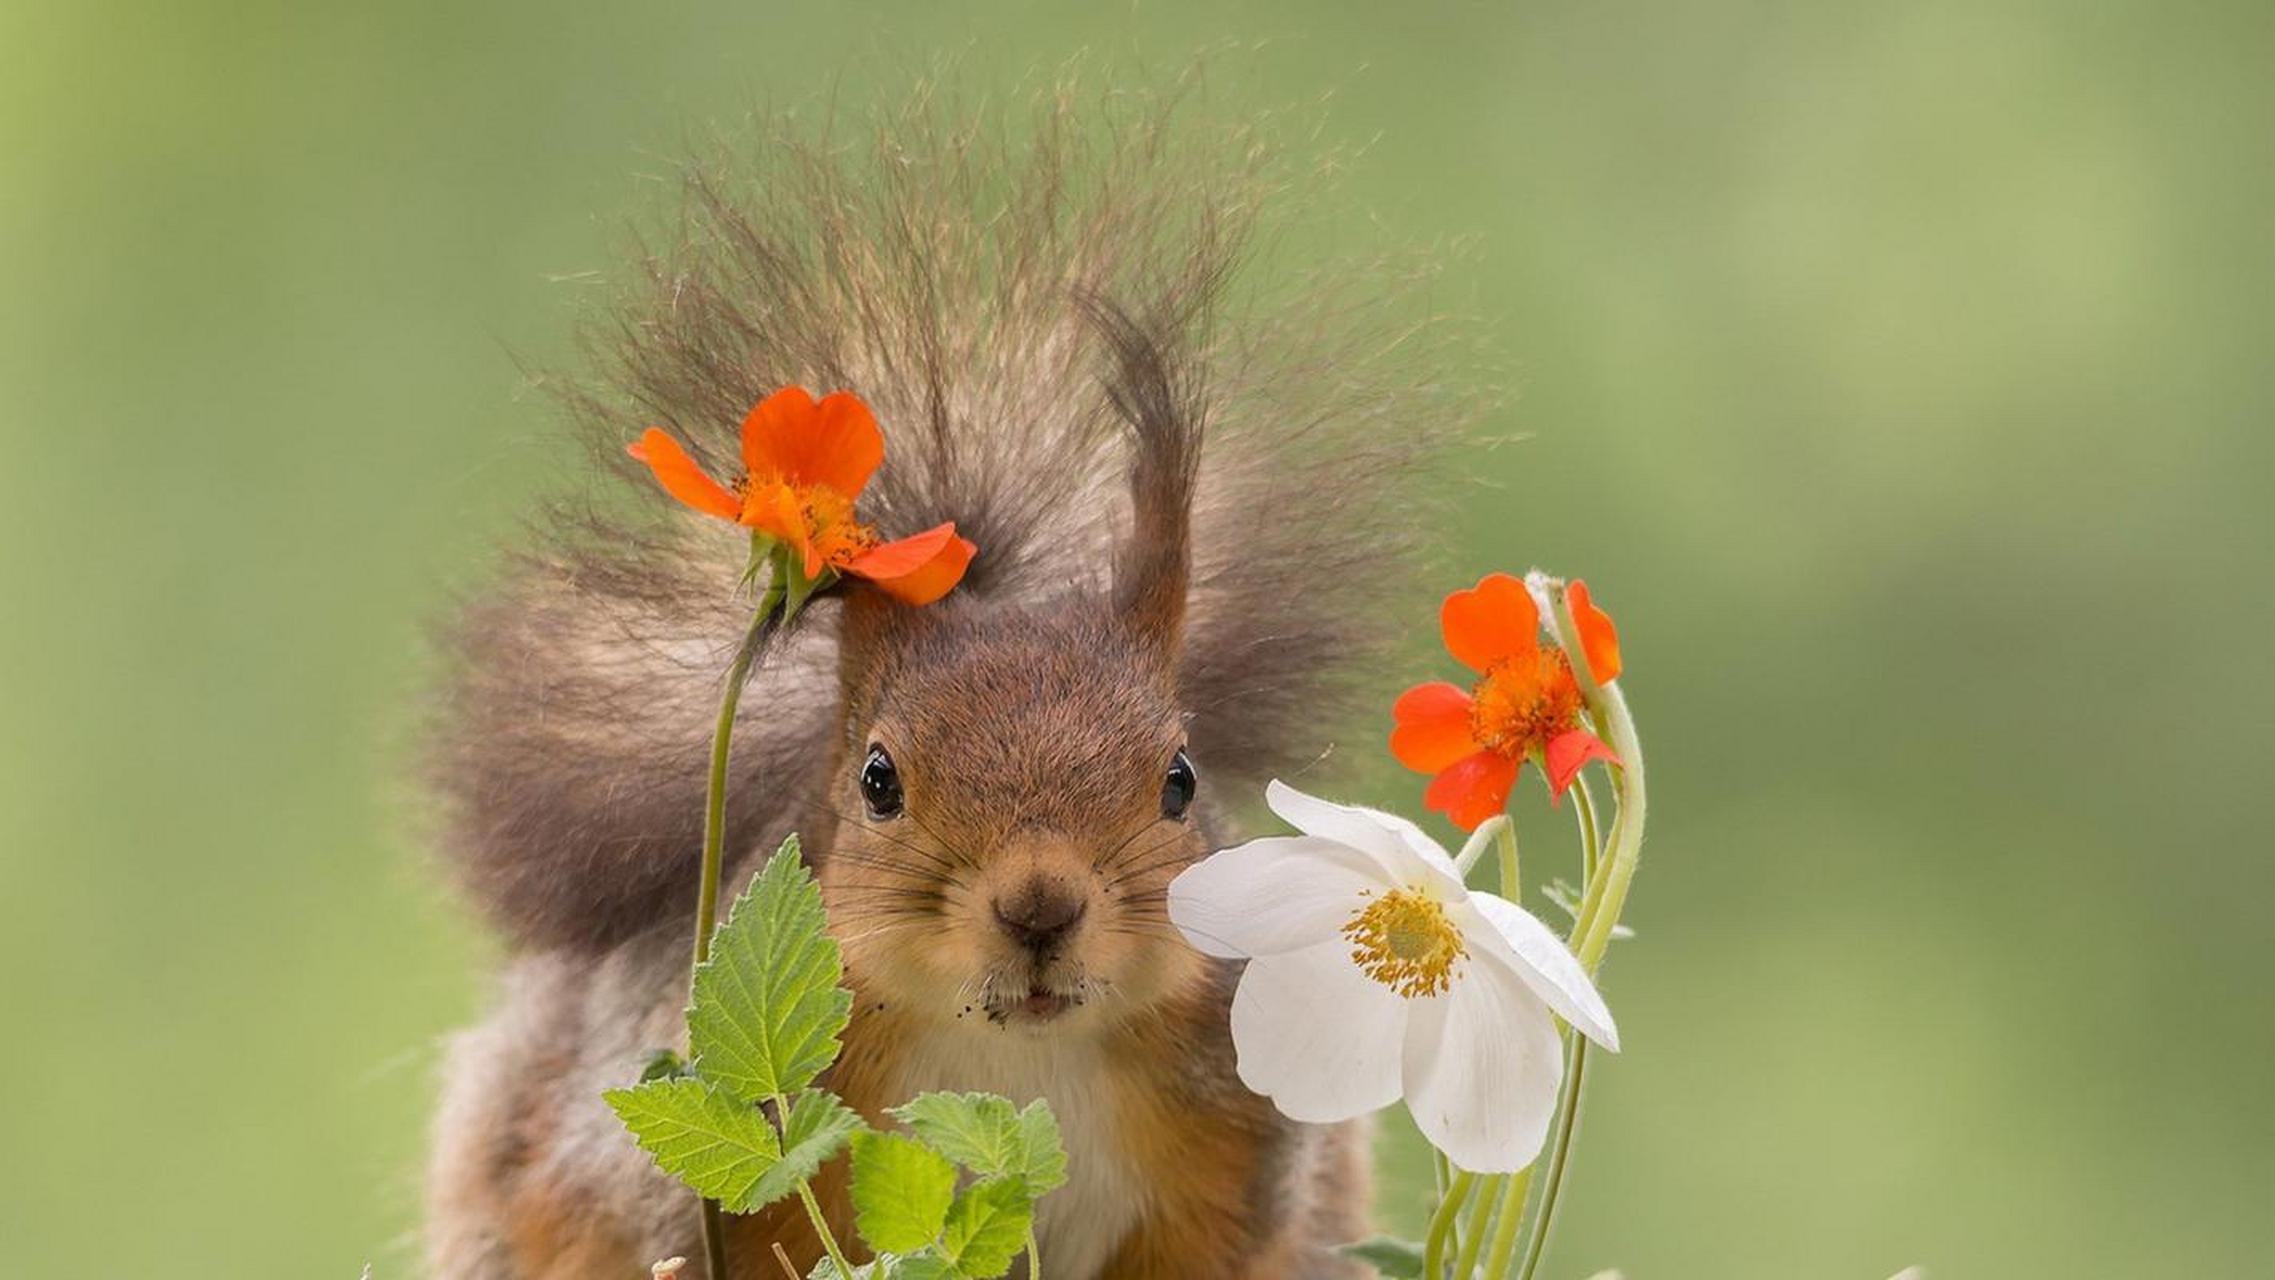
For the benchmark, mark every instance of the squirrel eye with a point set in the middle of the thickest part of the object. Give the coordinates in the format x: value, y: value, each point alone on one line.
x: 1177, y: 789
x: 881, y: 784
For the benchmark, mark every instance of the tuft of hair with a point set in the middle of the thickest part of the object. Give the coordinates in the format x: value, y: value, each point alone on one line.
x: 1042, y: 307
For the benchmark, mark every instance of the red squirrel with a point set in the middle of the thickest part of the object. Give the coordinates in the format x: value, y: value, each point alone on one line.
x: 1197, y: 514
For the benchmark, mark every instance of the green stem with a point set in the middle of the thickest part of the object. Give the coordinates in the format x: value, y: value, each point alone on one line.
x: 714, y: 845
x: 1441, y: 1222
x: 1480, y: 1221
x: 1505, y: 1228
x: 813, y: 1206
x: 1479, y: 841
x: 1034, y: 1257
x: 1568, y: 1097
x: 1591, y: 845
x: 1559, y: 1155
x: 1607, y: 890
x: 1609, y: 897
x: 1511, y: 884
x: 715, y: 796
x: 821, y: 1228
x: 714, y: 1238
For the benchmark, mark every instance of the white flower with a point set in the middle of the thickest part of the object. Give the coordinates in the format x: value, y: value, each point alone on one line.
x: 1374, y: 975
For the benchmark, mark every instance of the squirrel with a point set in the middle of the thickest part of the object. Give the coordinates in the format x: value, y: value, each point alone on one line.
x: 1197, y: 518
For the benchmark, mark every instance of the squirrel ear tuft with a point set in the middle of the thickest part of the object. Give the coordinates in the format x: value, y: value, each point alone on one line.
x: 1164, y: 403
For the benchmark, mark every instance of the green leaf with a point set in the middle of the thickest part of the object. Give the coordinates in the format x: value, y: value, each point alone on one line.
x: 716, y: 1144
x: 901, y: 1191
x: 1561, y: 892
x: 987, y: 1226
x: 923, y: 1266
x: 815, y: 1130
x: 768, y: 1007
x: 1042, y: 1160
x: 1397, y: 1259
x: 663, y: 1064
x: 928, y: 1265
x: 981, y: 1132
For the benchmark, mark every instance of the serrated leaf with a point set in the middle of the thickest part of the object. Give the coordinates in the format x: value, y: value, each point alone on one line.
x: 1042, y: 1160
x: 1394, y: 1258
x: 981, y: 1132
x: 901, y: 1191
x: 767, y: 1006
x: 987, y: 1225
x: 815, y: 1129
x: 710, y: 1140
x: 928, y: 1265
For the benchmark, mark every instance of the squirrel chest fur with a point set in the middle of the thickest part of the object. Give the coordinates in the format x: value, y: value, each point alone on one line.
x: 1187, y: 529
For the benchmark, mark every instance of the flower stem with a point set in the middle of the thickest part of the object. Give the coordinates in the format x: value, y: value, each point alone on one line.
x: 1569, y: 1093
x: 1034, y: 1257
x: 1608, y: 898
x: 1441, y: 1222
x: 1607, y: 890
x: 1559, y: 1155
x: 1511, y: 884
x: 1480, y: 1222
x: 1505, y: 1228
x: 1479, y: 841
x: 1607, y: 874
x: 714, y: 845
x: 715, y: 796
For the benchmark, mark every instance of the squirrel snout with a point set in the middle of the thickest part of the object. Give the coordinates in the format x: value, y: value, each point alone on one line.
x: 1040, y: 914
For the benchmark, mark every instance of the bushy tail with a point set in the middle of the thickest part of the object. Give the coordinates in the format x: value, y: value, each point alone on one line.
x: 979, y: 283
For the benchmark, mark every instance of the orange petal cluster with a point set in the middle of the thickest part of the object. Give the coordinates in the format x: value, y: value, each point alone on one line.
x: 1526, y: 699
x: 805, y: 462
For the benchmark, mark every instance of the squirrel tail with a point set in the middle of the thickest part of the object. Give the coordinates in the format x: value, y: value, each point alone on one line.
x: 1016, y: 302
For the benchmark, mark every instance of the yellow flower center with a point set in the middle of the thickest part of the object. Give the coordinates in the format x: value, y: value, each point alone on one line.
x: 824, y: 513
x: 837, y: 535
x: 1518, y: 707
x: 1404, y: 941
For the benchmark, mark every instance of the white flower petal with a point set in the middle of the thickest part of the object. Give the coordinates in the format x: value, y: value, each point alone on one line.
x: 1481, y: 1066
x: 1541, y: 959
x: 1272, y: 895
x: 1316, y: 1035
x: 1406, y: 853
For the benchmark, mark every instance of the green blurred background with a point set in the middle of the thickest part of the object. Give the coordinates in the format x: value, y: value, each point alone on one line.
x: 1898, y: 373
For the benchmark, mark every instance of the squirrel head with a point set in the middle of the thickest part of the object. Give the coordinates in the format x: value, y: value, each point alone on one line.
x: 1013, y: 793
x: 1013, y: 788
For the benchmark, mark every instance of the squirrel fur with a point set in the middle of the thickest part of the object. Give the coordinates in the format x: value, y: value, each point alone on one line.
x: 1197, y: 513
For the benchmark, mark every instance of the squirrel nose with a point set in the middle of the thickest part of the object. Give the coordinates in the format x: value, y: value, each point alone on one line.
x: 1040, y: 914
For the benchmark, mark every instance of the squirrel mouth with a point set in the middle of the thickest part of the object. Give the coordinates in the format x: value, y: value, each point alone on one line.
x: 1039, y: 1004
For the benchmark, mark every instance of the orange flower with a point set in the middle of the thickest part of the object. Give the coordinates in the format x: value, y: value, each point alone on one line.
x: 804, y: 463
x: 1527, y: 699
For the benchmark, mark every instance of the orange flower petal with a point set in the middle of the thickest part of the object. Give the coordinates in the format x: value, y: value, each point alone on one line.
x: 1569, y: 752
x: 1494, y: 620
x: 834, y: 443
x: 1433, y: 727
x: 1472, y: 789
x: 681, y: 477
x: 774, y: 509
x: 918, y: 569
x: 1598, y: 638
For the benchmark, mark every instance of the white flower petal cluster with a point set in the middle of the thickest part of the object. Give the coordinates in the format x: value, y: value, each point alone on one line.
x: 1374, y: 975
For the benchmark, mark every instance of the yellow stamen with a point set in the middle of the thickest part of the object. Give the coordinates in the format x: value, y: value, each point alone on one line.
x: 1517, y: 708
x: 1404, y: 941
